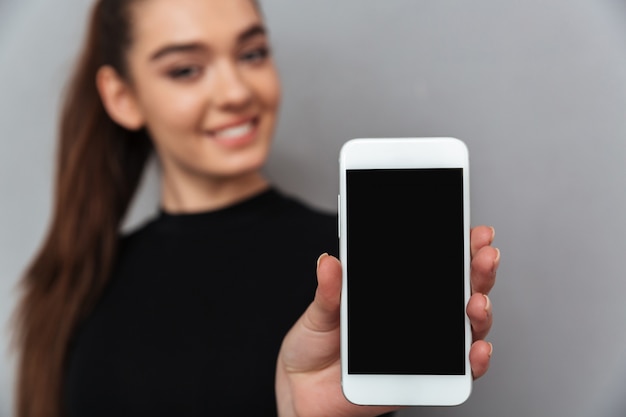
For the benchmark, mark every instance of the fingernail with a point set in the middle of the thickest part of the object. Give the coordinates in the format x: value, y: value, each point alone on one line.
x: 493, y: 234
x: 490, y: 349
x: 497, y: 260
x: 487, y: 304
x: 320, y: 258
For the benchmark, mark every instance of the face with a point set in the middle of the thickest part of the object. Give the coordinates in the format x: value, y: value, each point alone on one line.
x: 205, y: 85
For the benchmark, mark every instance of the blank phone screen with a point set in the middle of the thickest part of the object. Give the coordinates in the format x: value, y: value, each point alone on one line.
x: 405, y: 271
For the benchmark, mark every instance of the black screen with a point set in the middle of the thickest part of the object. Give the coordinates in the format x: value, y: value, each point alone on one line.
x: 406, y: 308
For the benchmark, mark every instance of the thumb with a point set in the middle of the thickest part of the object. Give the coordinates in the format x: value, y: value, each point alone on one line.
x: 323, y: 313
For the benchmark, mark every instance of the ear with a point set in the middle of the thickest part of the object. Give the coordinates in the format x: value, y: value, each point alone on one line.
x: 118, y: 99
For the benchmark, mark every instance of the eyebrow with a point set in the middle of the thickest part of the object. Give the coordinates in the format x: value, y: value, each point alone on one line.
x: 253, y: 31
x: 182, y: 47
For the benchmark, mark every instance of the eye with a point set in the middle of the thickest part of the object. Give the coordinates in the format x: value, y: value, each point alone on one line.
x: 184, y: 72
x: 256, y: 55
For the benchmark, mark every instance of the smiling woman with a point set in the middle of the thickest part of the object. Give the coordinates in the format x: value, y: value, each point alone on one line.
x: 213, y: 306
x: 201, y: 78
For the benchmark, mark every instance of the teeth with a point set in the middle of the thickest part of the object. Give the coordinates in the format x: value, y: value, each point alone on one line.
x: 235, y: 131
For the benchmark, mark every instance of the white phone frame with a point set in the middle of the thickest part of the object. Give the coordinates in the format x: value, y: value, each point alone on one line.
x: 394, y: 153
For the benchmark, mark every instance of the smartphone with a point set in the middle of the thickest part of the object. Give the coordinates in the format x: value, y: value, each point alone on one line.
x: 404, y: 216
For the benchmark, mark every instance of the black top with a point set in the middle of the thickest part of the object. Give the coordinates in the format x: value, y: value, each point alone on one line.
x: 198, y: 304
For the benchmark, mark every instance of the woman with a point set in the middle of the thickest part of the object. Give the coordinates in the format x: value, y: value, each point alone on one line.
x: 187, y: 315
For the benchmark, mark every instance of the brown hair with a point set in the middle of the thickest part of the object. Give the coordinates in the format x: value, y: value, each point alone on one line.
x: 99, y: 166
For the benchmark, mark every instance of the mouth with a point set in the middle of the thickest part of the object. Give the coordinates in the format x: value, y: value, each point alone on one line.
x: 237, y: 134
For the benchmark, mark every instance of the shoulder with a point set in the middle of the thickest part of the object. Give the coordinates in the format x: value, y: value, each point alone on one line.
x: 138, y: 234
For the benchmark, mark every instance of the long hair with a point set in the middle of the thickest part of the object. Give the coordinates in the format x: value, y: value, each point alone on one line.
x: 98, y: 169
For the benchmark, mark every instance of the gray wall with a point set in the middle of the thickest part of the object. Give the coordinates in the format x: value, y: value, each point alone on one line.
x: 537, y: 90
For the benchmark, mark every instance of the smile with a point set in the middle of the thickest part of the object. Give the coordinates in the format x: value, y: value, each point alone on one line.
x: 236, y: 135
x: 234, y: 132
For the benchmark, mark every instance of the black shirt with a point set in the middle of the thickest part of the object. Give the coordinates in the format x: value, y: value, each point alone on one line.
x: 192, y: 319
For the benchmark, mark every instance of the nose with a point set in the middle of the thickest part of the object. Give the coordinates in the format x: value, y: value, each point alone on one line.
x: 230, y: 90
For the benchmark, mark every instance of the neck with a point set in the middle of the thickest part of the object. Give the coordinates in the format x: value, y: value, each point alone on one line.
x: 206, y: 194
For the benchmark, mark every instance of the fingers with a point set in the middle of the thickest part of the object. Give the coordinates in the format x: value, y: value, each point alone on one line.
x: 485, y: 262
x: 479, y: 311
x: 323, y: 313
x: 480, y: 357
x: 485, y: 259
x: 483, y: 269
x: 481, y: 236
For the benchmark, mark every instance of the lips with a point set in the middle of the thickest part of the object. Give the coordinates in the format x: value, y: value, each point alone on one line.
x: 235, y: 134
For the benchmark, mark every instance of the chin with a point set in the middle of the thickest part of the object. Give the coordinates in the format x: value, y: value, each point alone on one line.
x: 247, y: 164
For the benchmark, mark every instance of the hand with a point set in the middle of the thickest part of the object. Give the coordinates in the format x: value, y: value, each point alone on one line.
x: 308, y: 372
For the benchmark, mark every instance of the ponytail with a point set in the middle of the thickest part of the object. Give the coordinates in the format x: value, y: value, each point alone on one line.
x: 99, y: 166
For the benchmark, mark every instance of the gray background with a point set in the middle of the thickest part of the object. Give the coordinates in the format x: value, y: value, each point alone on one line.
x: 537, y: 90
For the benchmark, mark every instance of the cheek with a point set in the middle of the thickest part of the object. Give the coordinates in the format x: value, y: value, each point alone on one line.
x: 274, y: 97
x: 168, y: 109
x: 268, y: 89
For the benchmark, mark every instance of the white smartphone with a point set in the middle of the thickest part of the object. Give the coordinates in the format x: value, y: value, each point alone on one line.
x: 404, y: 224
